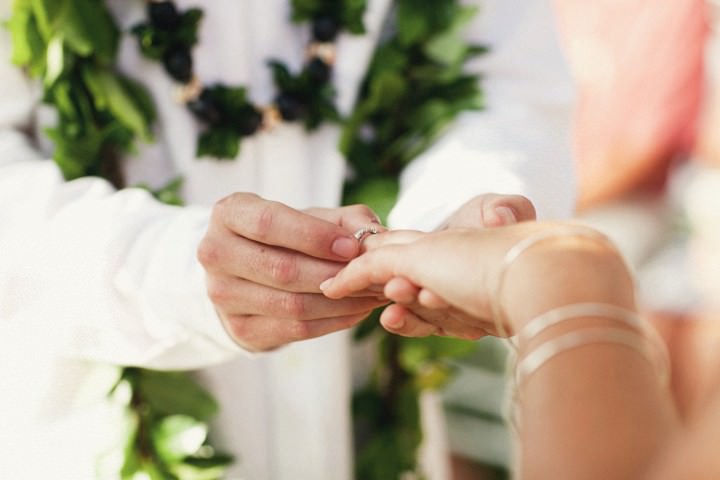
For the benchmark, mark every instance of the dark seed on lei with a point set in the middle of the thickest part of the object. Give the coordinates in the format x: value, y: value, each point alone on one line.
x: 163, y: 15
x: 325, y: 28
x: 290, y: 107
x: 318, y: 70
x: 249, y: 122
x: 178, y: 63
x: 205, y: 109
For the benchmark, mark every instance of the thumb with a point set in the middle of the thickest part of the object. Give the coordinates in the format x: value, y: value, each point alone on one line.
x: 499, y: 216
x: 504, y: 210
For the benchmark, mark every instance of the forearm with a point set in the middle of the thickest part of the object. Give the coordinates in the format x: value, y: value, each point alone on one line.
x: 594, y: 412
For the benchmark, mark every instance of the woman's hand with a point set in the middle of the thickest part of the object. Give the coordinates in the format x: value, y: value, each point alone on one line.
x: 408, y: 316
x: 457, y: 272
x: 449, y: 270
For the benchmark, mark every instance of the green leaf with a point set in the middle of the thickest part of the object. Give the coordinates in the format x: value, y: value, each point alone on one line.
x: 389, y: 57
x: 76, y: 156
x: 55, y: 60
x: 187, y: 33
x: 371, y: 324
x: 175, y: 393
x: 27, y: 43
x: 47, y: 12
x: 283, y: 79
x: 153, y: 43
x: 230, y: 99
x: 131, y: 463
x: 386, y: 88
x: 202, y: 468
x: 449, y: 47
x: 305, y: 9
x: 89, y: 28
x: 149, y: 470
x: 169, y: 193
x: 85, y: 25
x: 352, y: 16
x: 178, y: 436
x: 110, y: 93
x: 221, y: 143
x: 380, y: 194
x: 141, y: 97
x: 412, y: 22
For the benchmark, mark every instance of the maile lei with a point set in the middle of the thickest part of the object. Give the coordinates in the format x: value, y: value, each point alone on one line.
x: 415, y: 86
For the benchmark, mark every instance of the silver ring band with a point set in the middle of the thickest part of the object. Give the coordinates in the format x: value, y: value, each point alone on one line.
x: 362, y: 233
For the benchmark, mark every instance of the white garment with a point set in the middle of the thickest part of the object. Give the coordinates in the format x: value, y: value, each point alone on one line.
x: 87, y: 273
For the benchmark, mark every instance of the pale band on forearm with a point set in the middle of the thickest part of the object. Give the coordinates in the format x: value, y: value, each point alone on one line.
x: 521, y: 247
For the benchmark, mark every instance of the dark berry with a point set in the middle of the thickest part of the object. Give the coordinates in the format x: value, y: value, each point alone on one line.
x: 163, y: 15
x: 325, y: 28
x: 318, y: 70
x: 291, y: 108
x: 205, y: 108
x: 178, y: 63
x: 249, y: 121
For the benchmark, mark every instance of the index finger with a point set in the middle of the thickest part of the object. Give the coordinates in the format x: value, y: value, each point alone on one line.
x: 390, y: 237
x: 274, y: 223
x: 372, y: 268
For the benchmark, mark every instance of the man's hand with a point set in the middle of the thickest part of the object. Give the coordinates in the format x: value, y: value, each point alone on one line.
x: 411, y: 317
x: 265, y: 261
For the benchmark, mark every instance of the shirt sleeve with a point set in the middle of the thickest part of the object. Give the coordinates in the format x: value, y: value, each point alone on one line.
x: 106, y: 275
x: 520, y: 143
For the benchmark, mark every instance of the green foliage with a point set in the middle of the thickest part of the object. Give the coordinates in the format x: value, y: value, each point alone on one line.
x: 167, y: 428
x: 71, y: 45
x: 169, y: 193
x: 319, y: 101
x: 155, y: 42
x: 219, y: 142
x: 415, y: 87
x: 379, y: 193
x: 348, y: 12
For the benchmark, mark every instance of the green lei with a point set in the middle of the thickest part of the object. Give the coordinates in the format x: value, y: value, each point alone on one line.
x: 414, y: 88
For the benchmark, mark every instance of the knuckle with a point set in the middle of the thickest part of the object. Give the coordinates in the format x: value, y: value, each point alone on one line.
x: 299, y: 330
x: 361, y: 209
x: 355, y: 207
x: 209, y: 253
x: 227, y: 203
x: 284, y: 269
x: 229, y: 207
x: 293, y: 305
x: 238, y: 328
x: 217, y: 291
x: 261, y: 221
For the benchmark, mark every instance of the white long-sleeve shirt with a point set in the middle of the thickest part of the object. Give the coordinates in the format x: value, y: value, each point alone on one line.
x: 89, y: 274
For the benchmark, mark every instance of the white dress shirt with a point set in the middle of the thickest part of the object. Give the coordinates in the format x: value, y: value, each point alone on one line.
x: 88, y: 274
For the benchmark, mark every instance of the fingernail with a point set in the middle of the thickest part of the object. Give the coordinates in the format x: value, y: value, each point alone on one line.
x: 395, y: 323
x: 344, y: 247
x: 324, y: 285
x: 506, y: 214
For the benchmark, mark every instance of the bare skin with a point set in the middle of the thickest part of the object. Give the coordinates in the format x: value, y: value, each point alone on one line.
x: 264, y: 262
x: 598, y: 412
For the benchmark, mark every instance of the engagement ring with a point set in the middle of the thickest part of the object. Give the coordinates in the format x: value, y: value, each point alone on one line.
x: 361, y: 234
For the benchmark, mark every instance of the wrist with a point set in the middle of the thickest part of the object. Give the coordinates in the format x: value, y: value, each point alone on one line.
x: 564, y: 270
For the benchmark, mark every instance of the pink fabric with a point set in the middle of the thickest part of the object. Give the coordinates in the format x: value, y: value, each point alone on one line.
x: 639, y: 69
